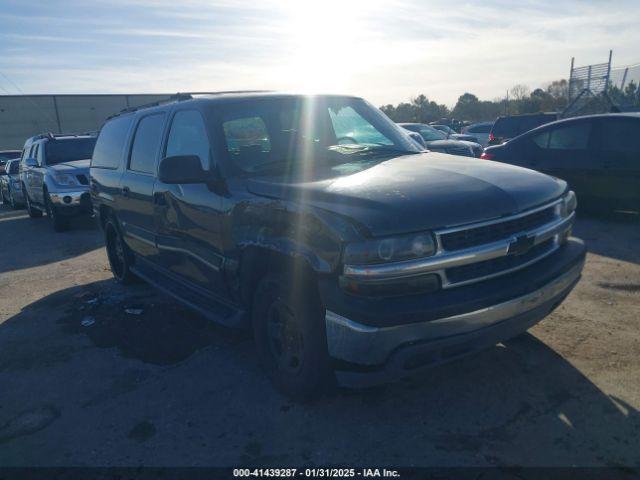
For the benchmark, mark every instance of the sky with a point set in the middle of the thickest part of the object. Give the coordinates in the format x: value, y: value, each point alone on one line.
x: 385, y: 51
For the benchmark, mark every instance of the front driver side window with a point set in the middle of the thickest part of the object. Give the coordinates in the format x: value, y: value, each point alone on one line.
x: 188, y: 136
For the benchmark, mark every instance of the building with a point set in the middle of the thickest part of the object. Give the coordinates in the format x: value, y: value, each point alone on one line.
x: 22, y: 116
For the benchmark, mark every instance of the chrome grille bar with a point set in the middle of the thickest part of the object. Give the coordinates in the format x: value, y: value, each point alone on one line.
x: 444, y: 259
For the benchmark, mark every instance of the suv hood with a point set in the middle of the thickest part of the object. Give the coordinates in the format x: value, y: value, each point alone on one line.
x: 420, y: 192
x: 75, y: 167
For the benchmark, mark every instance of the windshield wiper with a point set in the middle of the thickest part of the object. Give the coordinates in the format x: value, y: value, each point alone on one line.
x: 370, y: 150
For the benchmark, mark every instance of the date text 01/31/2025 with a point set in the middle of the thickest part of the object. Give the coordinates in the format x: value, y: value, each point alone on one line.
x: 316, y: 472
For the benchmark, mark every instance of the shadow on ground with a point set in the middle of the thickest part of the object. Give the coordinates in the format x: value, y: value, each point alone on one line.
x: 33, y: 241
x: 88, y: 383
x: 615, y: 235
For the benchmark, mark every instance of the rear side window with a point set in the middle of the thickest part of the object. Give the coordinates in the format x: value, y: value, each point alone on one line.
x: 146, y: 144
x: 568, y: 137
x: 621, y: 135
x: 111, y: 141
x: 188, y: 136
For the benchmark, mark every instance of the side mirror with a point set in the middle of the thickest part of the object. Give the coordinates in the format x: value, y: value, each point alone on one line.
x: 31, y: 162
x: 183, y: 169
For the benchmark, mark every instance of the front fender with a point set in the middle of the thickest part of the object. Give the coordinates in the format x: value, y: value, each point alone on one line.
x: 294, y: 230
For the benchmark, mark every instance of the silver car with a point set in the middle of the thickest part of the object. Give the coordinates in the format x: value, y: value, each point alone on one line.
x: 10, y: 187
x: 54, y: 174
x: 481, y: 131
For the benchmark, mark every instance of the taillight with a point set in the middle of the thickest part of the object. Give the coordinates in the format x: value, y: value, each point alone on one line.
x: 487, y: 156
x: 491, y: 137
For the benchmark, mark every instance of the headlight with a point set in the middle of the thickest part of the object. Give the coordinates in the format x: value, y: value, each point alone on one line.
x: 568, y: 204
x: 390, y: 249
x: 66, y: 180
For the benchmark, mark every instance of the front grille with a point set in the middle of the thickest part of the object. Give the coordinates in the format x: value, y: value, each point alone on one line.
x: 82, y: 179
x: 497, y: 265
x: 473, y: 237
x: 463, y: 151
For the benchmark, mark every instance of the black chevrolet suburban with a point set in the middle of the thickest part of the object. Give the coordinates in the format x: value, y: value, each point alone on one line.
x: 314, y: 220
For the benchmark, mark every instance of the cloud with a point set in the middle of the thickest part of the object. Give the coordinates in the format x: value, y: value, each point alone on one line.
x: 384, y: 51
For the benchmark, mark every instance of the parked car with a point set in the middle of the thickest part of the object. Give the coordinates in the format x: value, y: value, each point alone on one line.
x: 453, y: 135
x: 10, y: 188
x: 54, y: 172
x: 598, y: 155
x: 509, y: 127
x: 437, y: 141
x: 5, y: 156
x: 480, y: 131
x: 354, y: 257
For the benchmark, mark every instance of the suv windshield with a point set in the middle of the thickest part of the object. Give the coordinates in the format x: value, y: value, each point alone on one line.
x: 308, y: 132
x: 69, y: 150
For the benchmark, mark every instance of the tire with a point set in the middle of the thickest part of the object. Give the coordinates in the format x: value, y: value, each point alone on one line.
x: 59, y: 223
x: 289, y: 331
x: 31, y: 210
x: 12, y: 201
x: 121, y: 259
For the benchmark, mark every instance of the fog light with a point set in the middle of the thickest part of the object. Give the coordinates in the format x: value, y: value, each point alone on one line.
x: 66, y: 199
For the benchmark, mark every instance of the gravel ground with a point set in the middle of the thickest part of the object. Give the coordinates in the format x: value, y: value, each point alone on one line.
x: 167, y: 388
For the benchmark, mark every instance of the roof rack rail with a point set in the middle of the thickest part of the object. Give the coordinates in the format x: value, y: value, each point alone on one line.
x: 53, y: 136
x: 178, y: 97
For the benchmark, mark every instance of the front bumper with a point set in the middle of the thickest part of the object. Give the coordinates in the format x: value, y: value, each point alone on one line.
x: 366, y: 355
x: 71, y: 202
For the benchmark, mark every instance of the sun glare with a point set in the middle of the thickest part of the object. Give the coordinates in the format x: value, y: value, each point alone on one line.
x: 323, y: 38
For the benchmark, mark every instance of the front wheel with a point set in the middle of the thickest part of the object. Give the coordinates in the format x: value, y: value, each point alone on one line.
x: 60, y: 223
x: 12, y: 201
x: 289, y: 330
x: 120, y: 257
x: 31, y: 210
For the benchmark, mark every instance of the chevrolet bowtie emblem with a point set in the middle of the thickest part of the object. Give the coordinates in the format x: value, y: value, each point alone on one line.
x: 521, y: 245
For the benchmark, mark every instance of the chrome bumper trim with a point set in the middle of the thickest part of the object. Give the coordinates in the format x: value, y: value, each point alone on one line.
x: 367, y: 345
x: 75, y: 197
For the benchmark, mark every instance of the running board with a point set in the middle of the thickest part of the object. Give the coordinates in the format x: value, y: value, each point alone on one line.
x: 207, y: 305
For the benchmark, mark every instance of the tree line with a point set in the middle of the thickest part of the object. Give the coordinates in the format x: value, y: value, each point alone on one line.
x: 553, y: 98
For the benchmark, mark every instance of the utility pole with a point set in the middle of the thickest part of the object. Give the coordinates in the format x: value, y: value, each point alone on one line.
x: 506, y: 104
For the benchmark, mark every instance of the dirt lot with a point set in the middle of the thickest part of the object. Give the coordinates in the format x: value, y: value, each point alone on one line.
x: 166, y: 387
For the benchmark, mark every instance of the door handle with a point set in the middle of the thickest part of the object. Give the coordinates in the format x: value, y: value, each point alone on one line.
x: 159, y: 199
x: 126, y: 191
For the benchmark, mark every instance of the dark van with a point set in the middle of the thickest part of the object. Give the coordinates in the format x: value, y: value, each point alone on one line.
x: 509, y: 127
x: 352, y: 254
